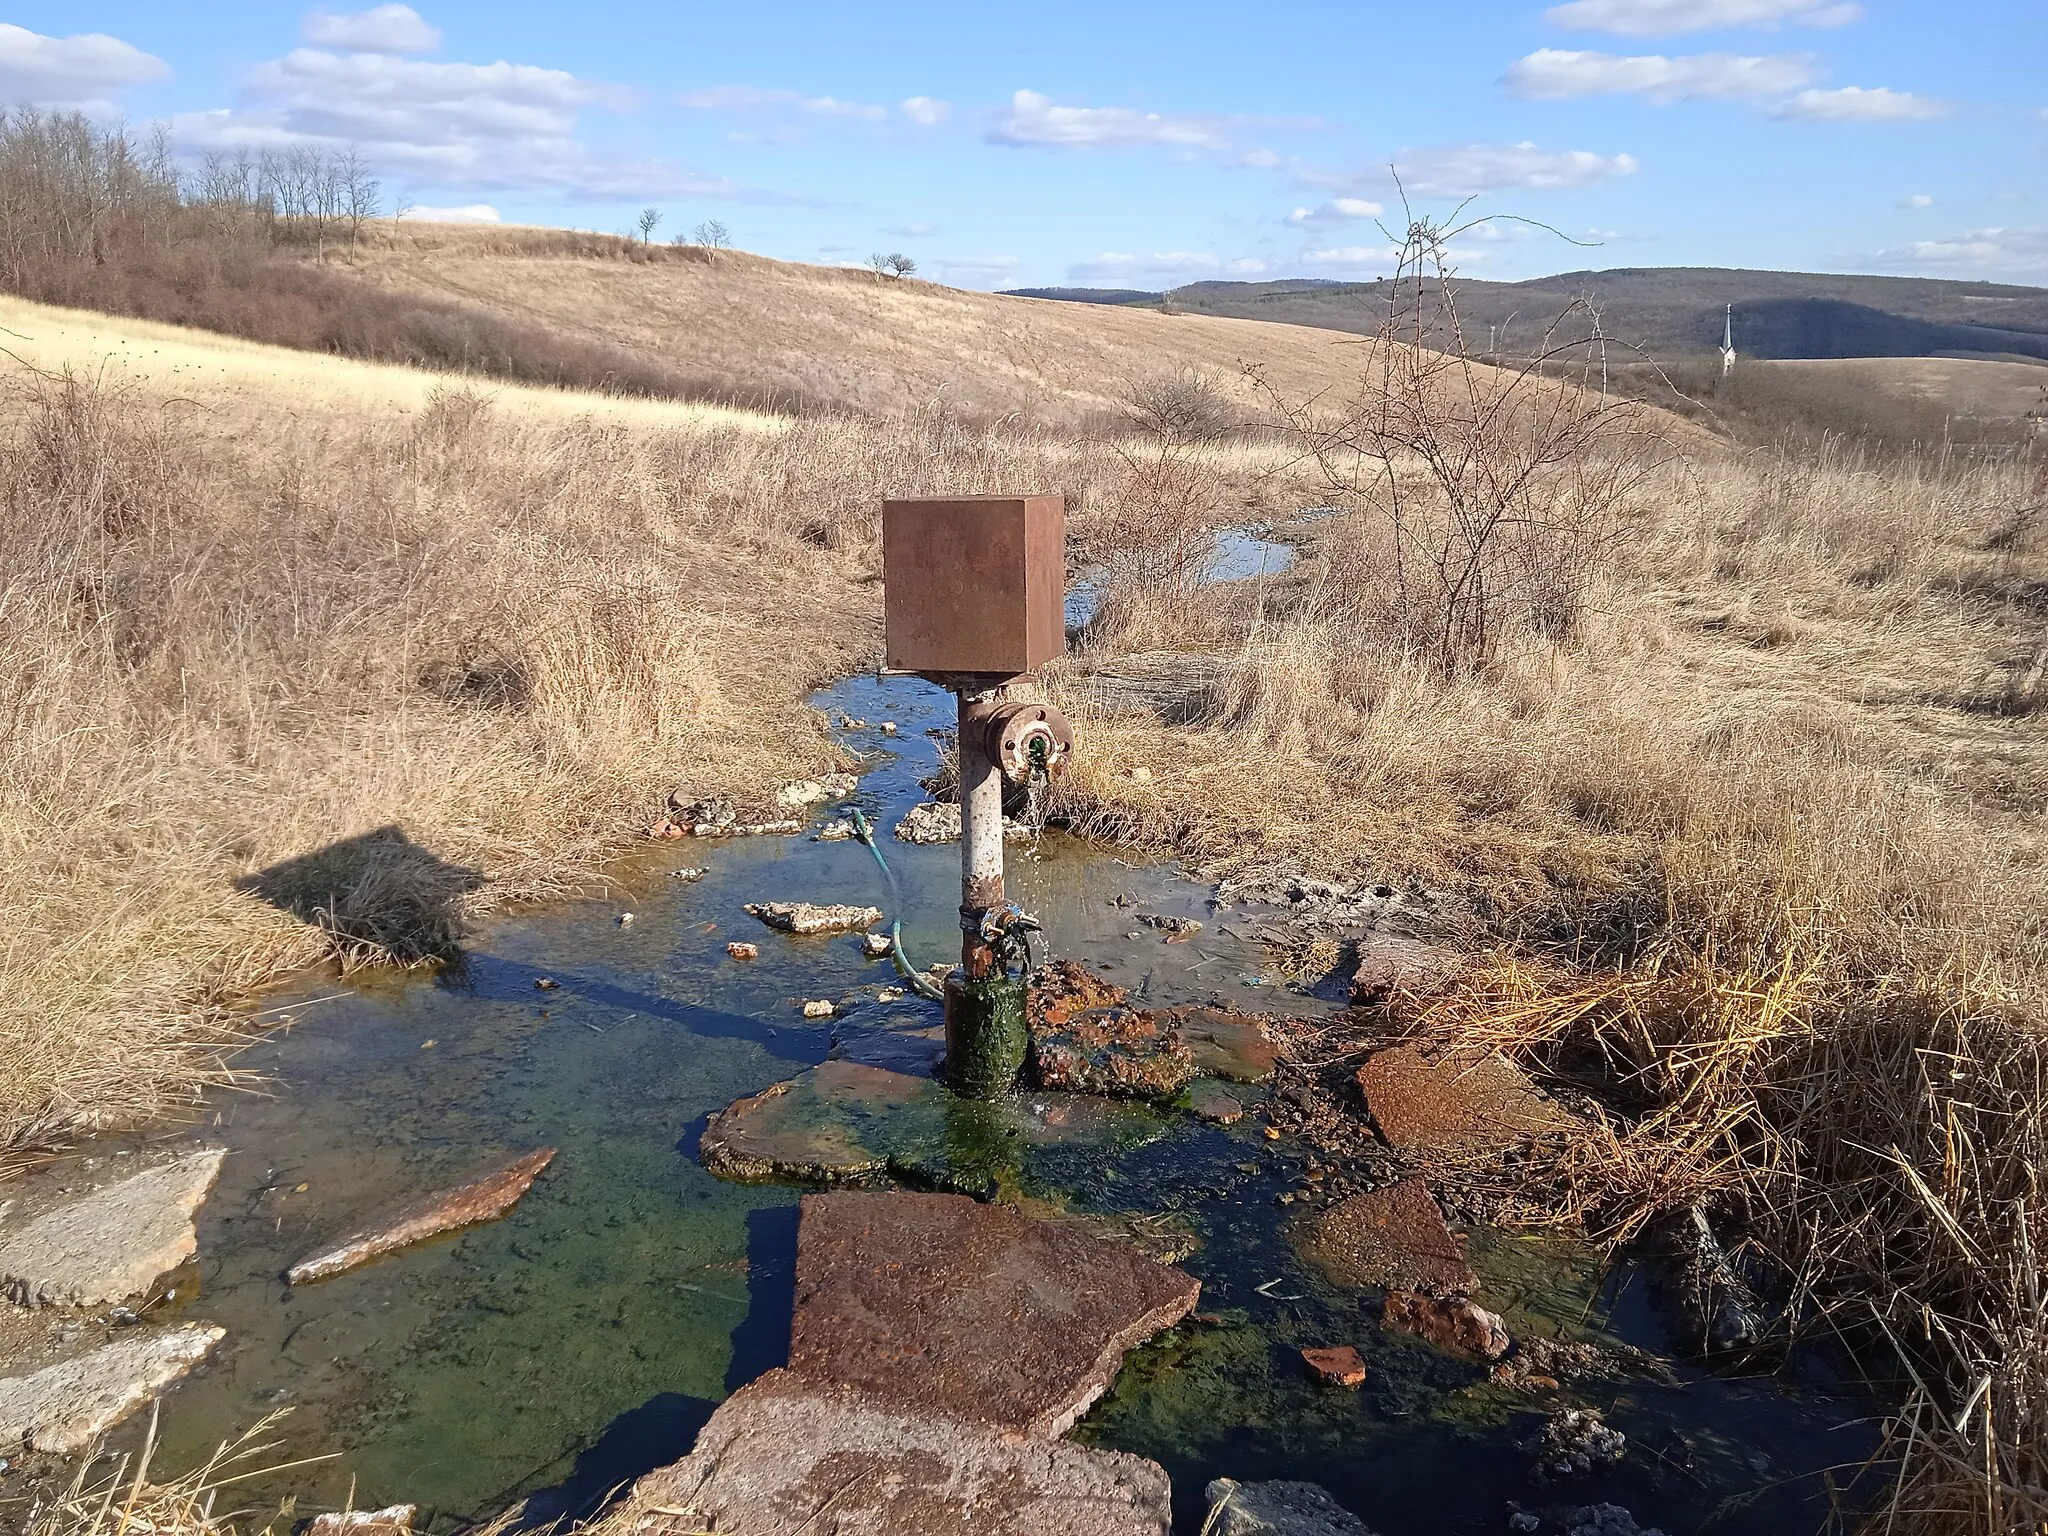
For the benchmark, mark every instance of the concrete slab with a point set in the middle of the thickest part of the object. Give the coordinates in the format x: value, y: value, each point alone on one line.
x: 971, y: 1311
x: 1237, y: 1047
x: 788, y: 1457
x: 1392, y: 1237
x: 1454, y: 1102
x: 1391, y: 965
x: 65, y: 1407
x: 113, y: 1243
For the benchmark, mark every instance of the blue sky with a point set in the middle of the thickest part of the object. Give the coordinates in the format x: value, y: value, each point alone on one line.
x: 1136, y: 144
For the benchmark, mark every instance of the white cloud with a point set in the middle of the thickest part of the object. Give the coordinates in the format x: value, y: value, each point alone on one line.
x: 926, y: 111
x: 381, y: 29
x: 444, y: 125
x: 1668, y: 18
x: 987, y: 270
x: 1166, y: 265
x: 1471, y: 170
x: 468, y: 213
x: 1862, y: 104
x: 832, y: 106
x: 1339, y: 210
x: 1350, y: 257
x: 1917, y: 200
x: 1555, y: 74
x: 911, y: 231
x: 1034, y: 121
x: 1978, y: 253
x: 72, y: 72
x: 735, y: 98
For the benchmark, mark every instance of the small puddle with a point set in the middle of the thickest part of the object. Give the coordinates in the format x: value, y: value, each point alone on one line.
x: 584, y: 1338
x: 1241, y: 554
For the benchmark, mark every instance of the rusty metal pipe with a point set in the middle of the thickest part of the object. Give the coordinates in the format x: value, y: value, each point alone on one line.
x: 981, y: 832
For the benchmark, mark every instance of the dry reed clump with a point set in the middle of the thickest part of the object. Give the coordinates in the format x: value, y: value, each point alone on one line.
x: 279, y: 690
x: 115, y: 1501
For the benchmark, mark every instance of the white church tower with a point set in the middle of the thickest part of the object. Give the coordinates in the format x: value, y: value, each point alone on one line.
x: 1728, y: 342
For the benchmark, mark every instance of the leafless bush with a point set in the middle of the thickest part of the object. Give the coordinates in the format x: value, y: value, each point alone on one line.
x: 1483, y: 501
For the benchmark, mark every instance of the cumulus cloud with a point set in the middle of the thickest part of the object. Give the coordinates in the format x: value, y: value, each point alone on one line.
x: 447, y: 125
x: 1036, y: 121
x: 1862, y: 104
x: 381, y: 29
x: 1472, y: 170
x: 1124, y: 266
x: 1917, y: 200
x: 1997, y: 252
x: 1338, y: 210
x: 468, y: 213
x: 78, y: 72
x: 1669, y: 18
x: 1350, y: 257
x: 926, y: 111
x: 1556, y: 74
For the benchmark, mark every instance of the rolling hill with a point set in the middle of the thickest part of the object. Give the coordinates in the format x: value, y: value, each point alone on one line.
x: 1674, y: 311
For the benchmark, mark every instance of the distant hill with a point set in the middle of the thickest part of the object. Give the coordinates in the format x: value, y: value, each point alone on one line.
x: 1671, y: 312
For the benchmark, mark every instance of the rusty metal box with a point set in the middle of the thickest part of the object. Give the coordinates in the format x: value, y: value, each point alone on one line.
x: 974, y: 584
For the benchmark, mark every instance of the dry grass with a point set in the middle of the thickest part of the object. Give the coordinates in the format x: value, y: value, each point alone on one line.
x: 1770, y: 833
x: 110, y: 1499
x: 284, y: 686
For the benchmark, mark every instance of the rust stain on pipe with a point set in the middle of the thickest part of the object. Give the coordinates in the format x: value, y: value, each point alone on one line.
x: 484, y: 1200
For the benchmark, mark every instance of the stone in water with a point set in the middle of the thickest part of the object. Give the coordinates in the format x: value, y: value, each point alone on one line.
x: 1340, y: 1365
x: 66, y: 1406
x: 808, y: 918
x: 485, y: 1200
x: 1388, y: 1237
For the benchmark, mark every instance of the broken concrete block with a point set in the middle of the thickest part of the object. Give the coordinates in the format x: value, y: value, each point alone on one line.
x: 1277, y: 1509
x: 1452, y: 1323
x: 65, y: 1407
x: 971, y: 1311
x: 1392, y: 1237
x: 1454, y: 1102
x: 786, y: 1456
x: 113, y: 1243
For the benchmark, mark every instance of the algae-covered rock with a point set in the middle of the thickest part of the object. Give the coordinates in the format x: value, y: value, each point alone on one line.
x: 1086, y: 1037
x: 1394, y: 1237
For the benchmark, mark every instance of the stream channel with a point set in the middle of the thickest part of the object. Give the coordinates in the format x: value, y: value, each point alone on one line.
x: 584, y: 1338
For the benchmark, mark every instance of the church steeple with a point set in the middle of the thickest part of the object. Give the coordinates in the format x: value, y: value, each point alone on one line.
x: 1728, y: 341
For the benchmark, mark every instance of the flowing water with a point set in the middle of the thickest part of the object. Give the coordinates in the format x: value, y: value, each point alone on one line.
x: 585, y: 1337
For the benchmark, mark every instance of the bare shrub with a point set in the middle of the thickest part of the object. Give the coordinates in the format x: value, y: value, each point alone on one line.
x: 1483, y: 501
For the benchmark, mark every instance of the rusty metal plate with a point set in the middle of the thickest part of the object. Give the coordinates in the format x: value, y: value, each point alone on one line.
x: 974, y: 584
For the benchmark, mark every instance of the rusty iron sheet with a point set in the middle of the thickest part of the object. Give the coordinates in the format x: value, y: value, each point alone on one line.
x: 974, y: 585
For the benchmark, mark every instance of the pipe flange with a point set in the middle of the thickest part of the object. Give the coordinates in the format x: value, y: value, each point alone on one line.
x: 1019, y: 736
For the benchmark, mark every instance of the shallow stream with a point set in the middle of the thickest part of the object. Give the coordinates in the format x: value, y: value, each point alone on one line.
x: 585, y: 1337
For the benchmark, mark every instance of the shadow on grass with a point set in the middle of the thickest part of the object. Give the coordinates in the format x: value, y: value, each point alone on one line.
x: 378, y: 895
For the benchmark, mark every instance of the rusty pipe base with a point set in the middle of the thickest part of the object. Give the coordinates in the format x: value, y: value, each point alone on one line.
x: 986, y: 1037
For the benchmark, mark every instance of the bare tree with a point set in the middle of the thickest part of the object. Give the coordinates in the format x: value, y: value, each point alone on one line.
x: 712, y: 235
x: 359, y: 193
x: 895, y: 264
x: 649, y: 220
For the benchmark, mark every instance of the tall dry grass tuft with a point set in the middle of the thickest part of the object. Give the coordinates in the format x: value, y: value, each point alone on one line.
x: 112, y: 1500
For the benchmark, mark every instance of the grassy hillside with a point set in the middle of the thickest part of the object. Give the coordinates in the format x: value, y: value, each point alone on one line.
x: 827, y: 337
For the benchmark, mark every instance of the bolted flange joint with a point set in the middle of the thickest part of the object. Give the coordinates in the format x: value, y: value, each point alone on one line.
x: 1021, y: 739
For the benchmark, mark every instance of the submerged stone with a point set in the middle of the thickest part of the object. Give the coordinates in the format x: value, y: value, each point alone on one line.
x: 1455, y: 1102
x: 1277, y: 1509
x: 786, y: 1456
x: 1214, y: 1103
x: 113, y: 1243
x: 804, y: 917
x: 1086, y: 1037
x: 1238, y: 1047
x: 969, y: 1311
x: 66, y: 1406
x: 486, y: 1199
x: 1336, y: 1365
x: 1392, y: 1237
x: 1451, y: 1323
